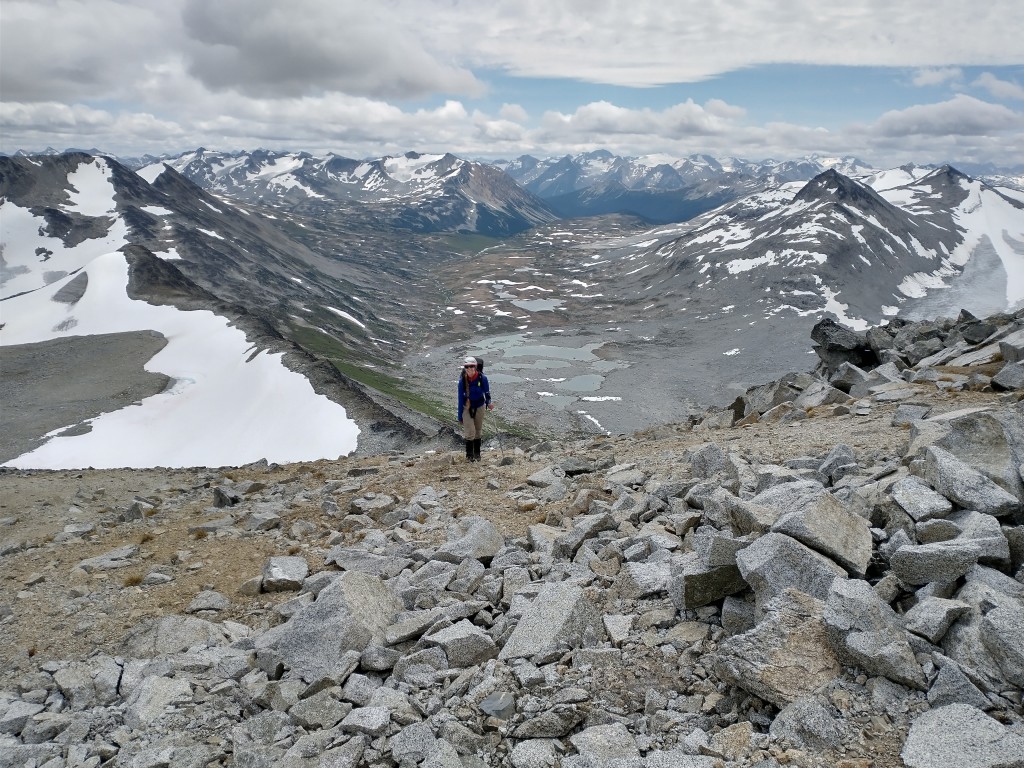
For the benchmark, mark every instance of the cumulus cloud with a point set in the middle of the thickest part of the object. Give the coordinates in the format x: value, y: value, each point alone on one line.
x: 602, y: 118
x: 936, y: 76
x: 264, y: 47
x: 377, y: 78
x: 961, y: 115
x: 649, y: 42
x: 514, y: 112
x: 74, y: 51
x: 1001, y: 89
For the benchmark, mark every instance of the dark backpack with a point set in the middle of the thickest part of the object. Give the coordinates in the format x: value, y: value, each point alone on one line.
x: 480, y: 365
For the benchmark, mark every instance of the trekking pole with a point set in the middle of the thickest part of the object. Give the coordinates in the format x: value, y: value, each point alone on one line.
x: 497, y: 434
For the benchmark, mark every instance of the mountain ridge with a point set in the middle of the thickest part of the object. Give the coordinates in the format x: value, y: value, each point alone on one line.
x: 726, y: 296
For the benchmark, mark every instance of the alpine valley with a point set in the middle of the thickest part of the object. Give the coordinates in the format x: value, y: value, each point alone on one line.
x: 213, y: 309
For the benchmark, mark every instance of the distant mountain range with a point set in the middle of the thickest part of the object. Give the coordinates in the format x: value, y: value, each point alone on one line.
x: 658, y: 189
x: 422, y: 193
x: 347, y: 267
x: 435, y: 193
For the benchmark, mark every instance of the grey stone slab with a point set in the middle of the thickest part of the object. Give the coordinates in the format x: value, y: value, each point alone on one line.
x: 284, y: 574
x: 370, y: 721
x: 347, y: 615
x: 319, y: 711
x: 962, y: 736
x: 1002, y: 634
x: 636, y: 580
x: 775, y: 562
x: 115, y: 558
x: 464, y: 644
x: 150, y: 700
x: 601, y: 743
x: 561, y: 616
x: 867, y: 632
x: 692, y: 584
x: 942, y: 561
x: 965, y: 486
x: 356, y: 559
x: 413, y: 743
x: 919, y: 500
x: 932, y: 617
x: 825, y: 525
x: 952, y: 686
x: 473, y: 537
x: 785, y: 657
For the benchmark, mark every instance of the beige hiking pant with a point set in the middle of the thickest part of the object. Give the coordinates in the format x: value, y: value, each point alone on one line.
x: 473, y: 428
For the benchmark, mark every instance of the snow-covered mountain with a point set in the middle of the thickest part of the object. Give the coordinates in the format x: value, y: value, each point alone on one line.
x: 423, y: 193
x: 658, y: 188
x: 93, y: 250
x: 906, y: 241
x: 607, y: 325
x: 212, y: 330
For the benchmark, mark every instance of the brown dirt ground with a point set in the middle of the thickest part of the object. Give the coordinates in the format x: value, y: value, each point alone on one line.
x: 39, y: 582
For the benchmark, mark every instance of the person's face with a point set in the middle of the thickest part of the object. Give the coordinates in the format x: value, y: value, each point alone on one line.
x: 470, y: 370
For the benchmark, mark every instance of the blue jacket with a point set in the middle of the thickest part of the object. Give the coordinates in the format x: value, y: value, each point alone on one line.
x: 478, y: 395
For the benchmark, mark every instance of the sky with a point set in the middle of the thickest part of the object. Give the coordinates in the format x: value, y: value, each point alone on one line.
x: 224, y: 406
x: 924, y: 81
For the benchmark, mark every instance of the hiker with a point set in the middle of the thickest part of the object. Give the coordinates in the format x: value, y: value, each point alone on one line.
x: 474, y: 396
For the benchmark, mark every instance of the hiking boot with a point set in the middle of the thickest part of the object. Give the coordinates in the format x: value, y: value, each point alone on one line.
x: 476, y: 449
x: 469, y: 450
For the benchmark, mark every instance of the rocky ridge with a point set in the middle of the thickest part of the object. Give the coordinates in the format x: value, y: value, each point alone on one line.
x: 828, y: 573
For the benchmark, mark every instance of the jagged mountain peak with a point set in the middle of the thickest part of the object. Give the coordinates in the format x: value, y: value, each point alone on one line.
x: 948, y: 173
x: 834, y: 186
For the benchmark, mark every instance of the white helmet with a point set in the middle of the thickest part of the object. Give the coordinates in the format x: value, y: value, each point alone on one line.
x: 469, y: 360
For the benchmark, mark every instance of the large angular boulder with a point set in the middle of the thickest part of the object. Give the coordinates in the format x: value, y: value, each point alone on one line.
x: 602, y: 743
x: 819, y: 393
x: 1009, y: 377
x: 866, y: 632
x: 785, y: 657
x: 960, y: 735
x: 932, y: 617
x: 643, y: 579
x: 919, y: 500
x: 762, y: 398
x: 284, y: 574
x: 984, y: 534
x: 347, y: 615
x: 1002, y: 634
x: 464, y: 644
x: 150, y: 700
x: 825, y: 525
x: 977, y: 645
x: 692, y: 583
x: 172, y: 634
x: 474, y: 537
x: 991, y: 442
x: 964, y: 485
x: 775, y: 562
x: 940, y: 561
x: 561, y: 617
x: 583, y: 528
x: 836, y: 344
